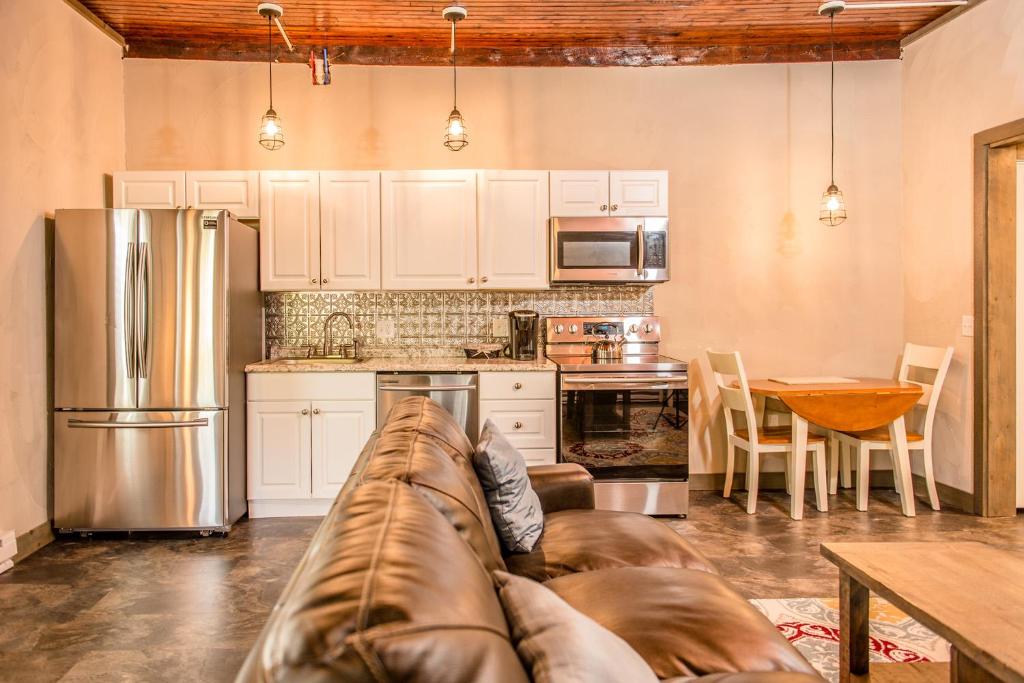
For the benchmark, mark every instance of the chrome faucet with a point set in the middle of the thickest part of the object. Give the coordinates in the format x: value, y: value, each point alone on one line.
x: 329, y: 338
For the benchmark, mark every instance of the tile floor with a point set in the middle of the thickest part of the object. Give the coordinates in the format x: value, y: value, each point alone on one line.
x: 153, y: 608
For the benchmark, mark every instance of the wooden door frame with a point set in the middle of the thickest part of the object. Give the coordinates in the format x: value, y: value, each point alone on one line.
x: 995, y: 310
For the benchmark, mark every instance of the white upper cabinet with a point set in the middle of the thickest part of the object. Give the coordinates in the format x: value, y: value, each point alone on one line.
x: 350, y: 230
x: 609, y: 193
x: 579, y: 193
x: 236, y: 191
x: 428, y: 235
x: 638, y: 193
x: 289, y: 230
x: 513, y: 229
x: 149, y: 190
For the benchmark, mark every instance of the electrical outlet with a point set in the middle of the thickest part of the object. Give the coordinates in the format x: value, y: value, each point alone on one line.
x: 967, y: 326
x: 386, y: 328
x: 499, y: 326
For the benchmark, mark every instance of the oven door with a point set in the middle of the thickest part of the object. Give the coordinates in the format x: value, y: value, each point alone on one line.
x: 609, y: 249
x: 625, y: 426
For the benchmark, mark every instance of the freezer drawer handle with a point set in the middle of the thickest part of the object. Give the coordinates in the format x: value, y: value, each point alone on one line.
x: 102, y: 424
x: 425, y: 389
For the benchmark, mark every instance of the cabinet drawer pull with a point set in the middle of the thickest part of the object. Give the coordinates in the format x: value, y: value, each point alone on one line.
x: 517, y: 425
x: 305, y: 411
x: 517, y: 386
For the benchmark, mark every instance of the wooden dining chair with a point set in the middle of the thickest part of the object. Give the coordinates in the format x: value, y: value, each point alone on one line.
x: 929, y: 358
x: 757, y: 440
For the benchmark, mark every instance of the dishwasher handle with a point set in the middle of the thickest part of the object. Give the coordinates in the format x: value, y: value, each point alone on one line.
x: 422, y: 389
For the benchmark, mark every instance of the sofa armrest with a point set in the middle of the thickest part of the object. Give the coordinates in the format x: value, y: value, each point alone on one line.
x: 565, y: 486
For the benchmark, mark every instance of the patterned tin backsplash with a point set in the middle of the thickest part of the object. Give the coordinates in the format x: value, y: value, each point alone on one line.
x: 432, y: 323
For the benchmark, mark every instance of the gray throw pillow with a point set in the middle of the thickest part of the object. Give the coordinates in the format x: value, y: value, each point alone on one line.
x: 557, y: 644
x: 515, y: 507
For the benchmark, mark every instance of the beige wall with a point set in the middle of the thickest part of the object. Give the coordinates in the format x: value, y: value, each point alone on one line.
x: 957, y: 81
x: 62, y: 114
x: 746, y: 146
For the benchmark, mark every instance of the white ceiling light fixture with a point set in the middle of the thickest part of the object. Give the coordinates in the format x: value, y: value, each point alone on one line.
x: 833, y: 207
x: 455, y: 135
x: 833, y: 7
x: 271, y: 133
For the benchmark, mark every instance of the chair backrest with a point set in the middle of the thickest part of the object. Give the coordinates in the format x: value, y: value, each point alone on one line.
x: 935, y: 358
x: 725, y: 366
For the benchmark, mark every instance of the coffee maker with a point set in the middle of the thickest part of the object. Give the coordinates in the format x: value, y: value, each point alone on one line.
x: 522, y: 331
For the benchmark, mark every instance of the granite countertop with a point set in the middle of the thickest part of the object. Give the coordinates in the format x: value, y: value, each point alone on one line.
x: 409, y: 364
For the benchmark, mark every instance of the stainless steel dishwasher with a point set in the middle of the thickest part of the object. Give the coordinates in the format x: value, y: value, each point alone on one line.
x: 455, y: 392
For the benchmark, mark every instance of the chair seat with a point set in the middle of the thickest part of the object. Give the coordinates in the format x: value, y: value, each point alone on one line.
x: 881, y: 434
x: 776, y: 435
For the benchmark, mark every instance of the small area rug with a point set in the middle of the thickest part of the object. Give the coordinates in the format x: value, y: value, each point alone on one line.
x: 812, y: 626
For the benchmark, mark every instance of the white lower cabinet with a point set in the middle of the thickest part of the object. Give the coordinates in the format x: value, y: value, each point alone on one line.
x: 305, y: 432
x: 522, y: 405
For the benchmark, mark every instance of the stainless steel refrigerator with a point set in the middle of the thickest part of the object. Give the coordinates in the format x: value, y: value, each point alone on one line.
x: 156, y: 313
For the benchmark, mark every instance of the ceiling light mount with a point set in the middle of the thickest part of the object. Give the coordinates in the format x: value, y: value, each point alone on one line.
x: 270, y: 10
x: 831, y: 8
x: 454, y: 13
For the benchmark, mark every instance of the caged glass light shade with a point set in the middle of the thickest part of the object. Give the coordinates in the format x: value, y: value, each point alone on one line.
x: 833, y: 207
x: 455, y: 135
x: 271, y: 133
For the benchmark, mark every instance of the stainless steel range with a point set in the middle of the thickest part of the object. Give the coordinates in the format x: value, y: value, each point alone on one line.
x: 623, y: 411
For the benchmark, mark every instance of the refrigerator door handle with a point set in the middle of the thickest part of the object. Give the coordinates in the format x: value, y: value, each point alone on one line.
x: 128, y: 323
x: 104, y: 424
x: 142, y: 310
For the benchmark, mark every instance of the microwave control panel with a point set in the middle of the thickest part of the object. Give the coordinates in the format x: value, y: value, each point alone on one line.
x: 655, y: 255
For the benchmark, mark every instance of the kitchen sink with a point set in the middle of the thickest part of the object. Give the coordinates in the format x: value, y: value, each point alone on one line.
x: 315, y: 360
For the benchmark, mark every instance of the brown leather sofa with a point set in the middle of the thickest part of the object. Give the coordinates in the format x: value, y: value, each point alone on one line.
x: 396, y: 584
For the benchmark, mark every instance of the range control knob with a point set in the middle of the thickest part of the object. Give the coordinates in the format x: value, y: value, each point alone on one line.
x: 573, y: 329
x: 559, y: 329
x: 648, y: 328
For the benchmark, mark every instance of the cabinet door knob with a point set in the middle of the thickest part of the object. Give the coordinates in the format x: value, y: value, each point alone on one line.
x: 316, y: 411
x: 518, y: 425
x: 471, y: 280
x: 324, y: 281
x: 483, y: 279
x: 604, y: 207
x: 313, y: 281
x: 517, y: 386
x: 305, y: 411
x: 615, y: 207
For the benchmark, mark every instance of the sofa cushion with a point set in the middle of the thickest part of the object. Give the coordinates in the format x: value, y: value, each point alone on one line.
x: 420, y: 445
x: 560, y: 645
x: 682, y: 622
x: 391, y: 593
x: 584, y: 540
x: 515, y: 507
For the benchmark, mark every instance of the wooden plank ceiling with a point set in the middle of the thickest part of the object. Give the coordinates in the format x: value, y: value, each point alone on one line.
x: 513, y: 32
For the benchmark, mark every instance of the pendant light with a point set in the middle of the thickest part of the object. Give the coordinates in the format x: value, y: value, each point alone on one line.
x: 833, y: 207
x: 271, y: 133
x: 455, y: 135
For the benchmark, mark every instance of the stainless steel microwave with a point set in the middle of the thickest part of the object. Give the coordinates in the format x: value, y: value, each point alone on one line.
x: 609, y: 249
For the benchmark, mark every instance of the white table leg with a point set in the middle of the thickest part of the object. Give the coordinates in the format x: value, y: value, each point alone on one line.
x: 799, y: 473
x: 901, y: 465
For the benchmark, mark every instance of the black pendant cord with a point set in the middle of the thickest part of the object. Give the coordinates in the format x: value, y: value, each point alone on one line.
x: 270, y: 59
x: 832, y: 97
x: 455, y: 73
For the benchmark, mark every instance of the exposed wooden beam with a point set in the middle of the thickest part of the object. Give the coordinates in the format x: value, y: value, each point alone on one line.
x: 661, y: 55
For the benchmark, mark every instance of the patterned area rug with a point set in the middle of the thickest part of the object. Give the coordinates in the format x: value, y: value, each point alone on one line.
x: 812, y: 626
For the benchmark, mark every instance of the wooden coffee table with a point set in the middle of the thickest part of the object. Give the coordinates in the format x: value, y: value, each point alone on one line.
x: 971, y: 594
